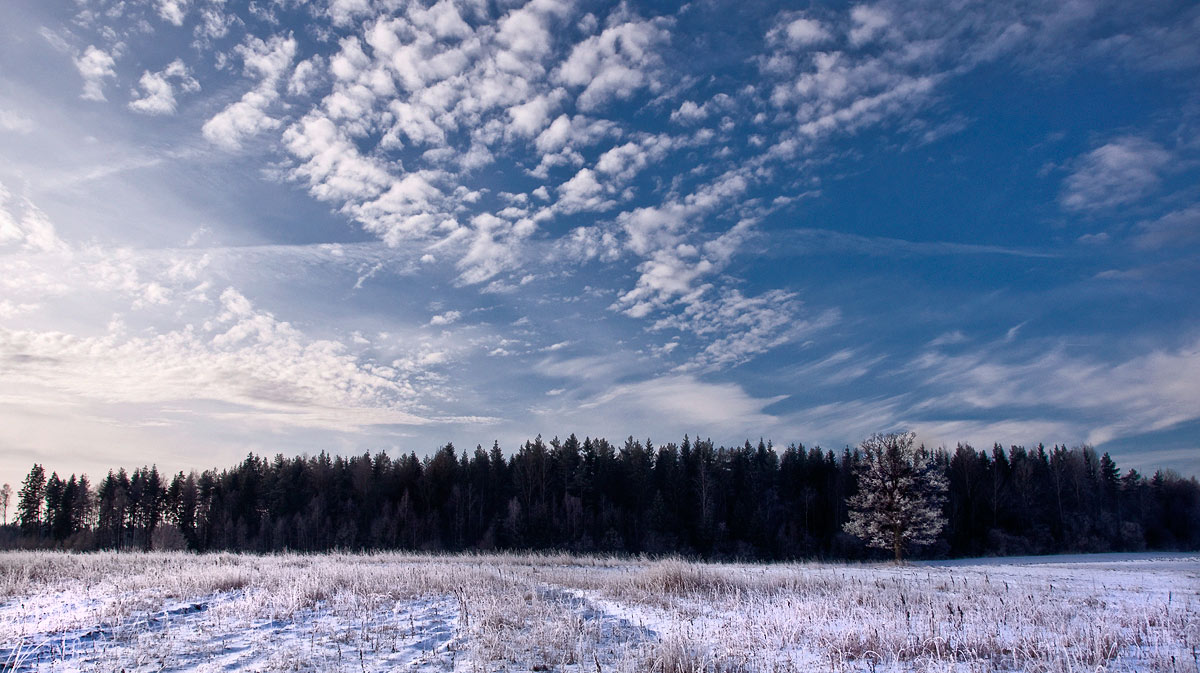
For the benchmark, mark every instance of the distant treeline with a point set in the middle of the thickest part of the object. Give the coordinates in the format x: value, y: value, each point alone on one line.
x: 748, y: 502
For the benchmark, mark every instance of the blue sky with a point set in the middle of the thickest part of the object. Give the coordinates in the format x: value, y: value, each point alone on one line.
x: 363, y: 225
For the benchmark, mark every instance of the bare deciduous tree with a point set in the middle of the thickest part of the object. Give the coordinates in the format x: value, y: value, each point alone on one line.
x: 5, y: 496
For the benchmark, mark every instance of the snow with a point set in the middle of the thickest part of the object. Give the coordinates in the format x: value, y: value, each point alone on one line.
x: 399, y: 612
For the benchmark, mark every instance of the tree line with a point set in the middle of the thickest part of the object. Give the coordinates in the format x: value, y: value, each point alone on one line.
x: 691, y: 498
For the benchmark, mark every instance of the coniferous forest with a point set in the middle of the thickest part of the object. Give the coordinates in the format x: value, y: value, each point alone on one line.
x: 692, y: 498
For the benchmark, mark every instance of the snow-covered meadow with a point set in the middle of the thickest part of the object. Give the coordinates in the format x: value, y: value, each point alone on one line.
x: 398, y: 612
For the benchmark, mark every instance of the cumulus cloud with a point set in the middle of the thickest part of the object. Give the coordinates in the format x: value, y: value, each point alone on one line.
x: 1117, y: 173
x: 868, y: 22
x: 589, y: 243
x: 158, y: 91
x: 582, y: 193
x: 214, y: 24
x: 268, y: 61
x: 798, y: 32
x: 530, y: 117
x: 95, y: 65
x: 623, y: 162
x: 616, y: 63
x: 172, y: 11
x: 334, y: 168
x: 242, y: 120
x: 345, y: 12
x: 445, y: 318
x: 493, y: 246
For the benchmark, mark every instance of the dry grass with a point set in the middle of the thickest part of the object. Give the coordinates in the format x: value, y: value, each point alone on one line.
x: 561, y: 612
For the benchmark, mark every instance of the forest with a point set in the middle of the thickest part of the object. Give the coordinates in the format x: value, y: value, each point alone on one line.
x: 694, y: 499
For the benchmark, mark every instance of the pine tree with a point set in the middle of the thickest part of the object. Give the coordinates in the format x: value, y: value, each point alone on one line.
x: 900, y: 493
x: 29, y: 501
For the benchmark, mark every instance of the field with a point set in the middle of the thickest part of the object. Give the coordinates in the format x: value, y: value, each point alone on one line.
x: 396, y: 612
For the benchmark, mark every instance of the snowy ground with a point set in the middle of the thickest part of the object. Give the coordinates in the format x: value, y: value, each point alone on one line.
x: 392, y: 612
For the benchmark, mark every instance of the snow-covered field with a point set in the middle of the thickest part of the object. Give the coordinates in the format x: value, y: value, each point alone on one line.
x: 395, y: 612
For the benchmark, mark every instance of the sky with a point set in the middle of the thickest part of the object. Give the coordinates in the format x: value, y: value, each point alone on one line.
x: 365, y: 225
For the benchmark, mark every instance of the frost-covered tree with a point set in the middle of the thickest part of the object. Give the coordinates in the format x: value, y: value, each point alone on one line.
x: 5, y: 496
x: 900, y: 494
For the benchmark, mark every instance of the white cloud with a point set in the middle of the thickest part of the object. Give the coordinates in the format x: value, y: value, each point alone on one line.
x: 442, y: 19
x: 673, y: 268
x: 332, y: 164
x: 805, y: 32
x: 840, y: 91
x: 344, y: 12
x: 950, y: 339
x: 624, y: 162
x: 305, y: 77
x: 689, y: 112
x: 1117, y: 173
x: 582, y: 193
x: 1143, y: 393
x: 15, y: 122
x: 668, y: 406
x: 615, y: 63
x: 158, y: 94
x: 565, y: 130
x: 173, y: 11
x: 250, y: 361
x: 95, y: 65
x: 904, y: 94
x: 268, y: 60
x: 214, y: 25
x: 588, y: 243
x: 241, y: 357
x: 1179, y: 229
x: 743, y: 327
x: 445, y: 318
x: 798, y: 32
x: 868, y: 22
x: 494, y: 245
x: 529, y: 118
x: 242, y: 120
x: 24, y: 227
x: 9, y: 309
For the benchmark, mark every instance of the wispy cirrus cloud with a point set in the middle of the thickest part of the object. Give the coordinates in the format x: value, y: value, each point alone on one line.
x: 1117, y: 173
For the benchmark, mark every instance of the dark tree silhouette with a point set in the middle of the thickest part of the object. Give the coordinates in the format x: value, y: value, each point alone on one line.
x: 749, y: 501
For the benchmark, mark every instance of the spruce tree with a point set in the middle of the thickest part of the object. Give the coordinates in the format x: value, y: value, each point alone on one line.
x: 29, y: 501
